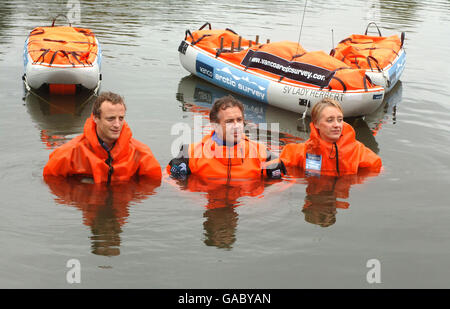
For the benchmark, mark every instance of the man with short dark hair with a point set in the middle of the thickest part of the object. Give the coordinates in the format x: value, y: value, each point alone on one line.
x: 106, y: 150
x: 226, y: 153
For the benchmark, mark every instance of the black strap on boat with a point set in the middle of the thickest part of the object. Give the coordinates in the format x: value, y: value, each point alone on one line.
x: 356, y: 62
x: 379, y: 32
x: 85, y: 32
x: 345, y: 40
x: 394, y: 52
x: 370, y: 80
x: 54, y: 19
x: 374, y: 48
x: 340, y: 81
x: 332, y: 72
x: 332, y: 52
x: 58, y: 41
x: 402, y: 37
x: 190, y: 34
x: 297, y: 56
x: 53, y: 57
x: 201, y: 38
x: 64, y: 54
x: 81, y: 42
x: 45, y: 51
x: 206, y: 24
x: 37, y: 31
x: 228, y: 29
x: 365, y: 82
x: 353, y: 42
x: 75, y: 55
x: 376, y: 63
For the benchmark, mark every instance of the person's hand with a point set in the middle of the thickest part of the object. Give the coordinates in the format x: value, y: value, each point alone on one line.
x: 274, y: 170
x: 179, y: 171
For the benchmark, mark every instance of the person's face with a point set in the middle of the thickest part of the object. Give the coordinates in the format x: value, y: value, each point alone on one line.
x: 330, y: 124
x: 231, y: 124
x: 110, y: 123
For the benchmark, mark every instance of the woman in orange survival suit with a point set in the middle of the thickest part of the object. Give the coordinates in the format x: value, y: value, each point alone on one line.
x: 331, y: 148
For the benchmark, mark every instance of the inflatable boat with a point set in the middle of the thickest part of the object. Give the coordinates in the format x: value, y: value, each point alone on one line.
x: 285, y: 75
x: 62, y: 58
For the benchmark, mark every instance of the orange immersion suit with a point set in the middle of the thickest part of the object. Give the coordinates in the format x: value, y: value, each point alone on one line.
x: 318, y: 157
x: 245, y: 160
x: 85, y: 156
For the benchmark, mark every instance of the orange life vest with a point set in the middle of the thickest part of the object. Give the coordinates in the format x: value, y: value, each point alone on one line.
x: 85, y: 156
x: 318, y: 157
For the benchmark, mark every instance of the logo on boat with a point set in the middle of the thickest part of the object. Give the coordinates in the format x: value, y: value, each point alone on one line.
x: 183, y: 47
x: 231, y: 78
x: 302, y: 72
x: 377, y: 96
x: 204, y: 69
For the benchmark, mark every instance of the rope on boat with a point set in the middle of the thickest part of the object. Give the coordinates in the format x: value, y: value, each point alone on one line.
x: 301, y: 27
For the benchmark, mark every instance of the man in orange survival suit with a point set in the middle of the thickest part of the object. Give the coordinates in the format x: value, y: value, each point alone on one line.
x: 106, y: 150
x: 331, y: 148
x: 226, y: 153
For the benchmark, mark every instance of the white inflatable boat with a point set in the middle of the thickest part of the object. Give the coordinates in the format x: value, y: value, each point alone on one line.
x: 62, y: 58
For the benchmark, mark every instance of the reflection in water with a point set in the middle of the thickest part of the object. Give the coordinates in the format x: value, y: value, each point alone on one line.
x: 322, y: 194
x: 222, y: 199
x: 367, y: 127
x: 387, y: 112
x: 363, y: 133
x: 105, y: 208
x: 220, y: 227
x: 59, y: 115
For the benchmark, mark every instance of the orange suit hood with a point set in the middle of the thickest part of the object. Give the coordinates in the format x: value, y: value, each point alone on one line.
x: 85, y: 156
x: 319, y: 157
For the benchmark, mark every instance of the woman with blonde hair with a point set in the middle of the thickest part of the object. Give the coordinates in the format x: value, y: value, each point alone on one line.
x: 331, y: 148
